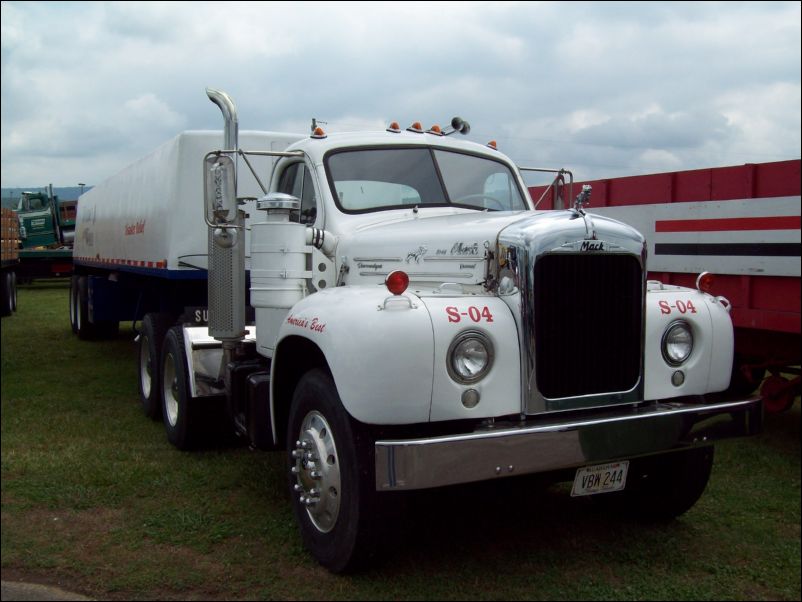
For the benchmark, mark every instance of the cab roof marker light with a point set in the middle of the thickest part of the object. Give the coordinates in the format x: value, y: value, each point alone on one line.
x: 416, y: 127
x: 394, y: 128
x: 318, y: 133
x: 492, y: 144
x: 436, y: 130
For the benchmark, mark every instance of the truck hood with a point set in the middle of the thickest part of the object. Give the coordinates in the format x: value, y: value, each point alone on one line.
x: 454, y: 248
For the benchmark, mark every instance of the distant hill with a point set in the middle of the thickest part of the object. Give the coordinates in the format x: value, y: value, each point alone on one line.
x: 10, y: 196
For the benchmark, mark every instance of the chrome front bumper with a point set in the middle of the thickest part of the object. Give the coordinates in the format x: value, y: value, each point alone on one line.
x: 554, y: 444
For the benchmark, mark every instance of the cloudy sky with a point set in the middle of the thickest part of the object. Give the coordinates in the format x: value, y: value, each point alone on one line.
x: 601, y: 88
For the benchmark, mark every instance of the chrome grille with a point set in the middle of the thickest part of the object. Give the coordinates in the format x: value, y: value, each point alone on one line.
x: 587, y: 321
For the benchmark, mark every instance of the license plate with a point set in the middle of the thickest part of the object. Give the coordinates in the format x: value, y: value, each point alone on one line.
x: 601, y: 478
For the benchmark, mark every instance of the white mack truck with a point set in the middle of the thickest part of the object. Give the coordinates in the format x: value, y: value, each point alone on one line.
x: 416, y: 324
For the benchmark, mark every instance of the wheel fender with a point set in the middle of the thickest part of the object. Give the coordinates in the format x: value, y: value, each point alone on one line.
x: 709, y: 366
x: 499, y: 392
x: 379, y: 348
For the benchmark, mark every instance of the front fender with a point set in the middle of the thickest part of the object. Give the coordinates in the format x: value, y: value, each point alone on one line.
x: 708, y: 368
x: 378, y: 347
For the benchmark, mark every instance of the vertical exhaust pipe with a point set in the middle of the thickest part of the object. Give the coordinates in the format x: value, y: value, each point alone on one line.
x: 229, y: 110
x: 226, y: 275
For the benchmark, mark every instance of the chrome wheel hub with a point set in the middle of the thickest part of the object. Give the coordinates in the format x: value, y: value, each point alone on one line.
x: 316, y: 469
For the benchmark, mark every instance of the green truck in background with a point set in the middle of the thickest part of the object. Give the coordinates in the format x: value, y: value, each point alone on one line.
x: 47, y: 233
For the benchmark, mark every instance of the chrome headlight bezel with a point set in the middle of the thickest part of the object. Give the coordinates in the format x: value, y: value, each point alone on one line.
x: 460, y: 348
x: 682, y: 328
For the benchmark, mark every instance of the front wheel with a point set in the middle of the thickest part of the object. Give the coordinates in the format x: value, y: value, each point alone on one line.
x: 660, y: 488
x: 331, y: 480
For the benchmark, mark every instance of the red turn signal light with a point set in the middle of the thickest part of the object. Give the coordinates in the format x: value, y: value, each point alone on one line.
x: 705, y: 282
x: 397, y: 282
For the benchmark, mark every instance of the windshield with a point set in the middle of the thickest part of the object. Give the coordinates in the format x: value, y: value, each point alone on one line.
x: 386, y: 178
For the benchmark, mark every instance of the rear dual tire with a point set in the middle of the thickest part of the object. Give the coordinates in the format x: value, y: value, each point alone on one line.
x: 151, y: 340
x: 190, y: 422
x: 86, y: 329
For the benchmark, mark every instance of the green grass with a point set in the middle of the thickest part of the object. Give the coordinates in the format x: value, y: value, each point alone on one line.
x: 95, y: 499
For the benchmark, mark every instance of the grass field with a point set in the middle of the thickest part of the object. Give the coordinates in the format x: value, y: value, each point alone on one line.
x: 94, y: 499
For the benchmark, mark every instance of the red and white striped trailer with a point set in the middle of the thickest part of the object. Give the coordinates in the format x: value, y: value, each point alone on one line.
x: 740, y: 223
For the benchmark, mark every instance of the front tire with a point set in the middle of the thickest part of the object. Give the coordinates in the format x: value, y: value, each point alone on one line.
x: 663, y: 487
x: 331, y: 476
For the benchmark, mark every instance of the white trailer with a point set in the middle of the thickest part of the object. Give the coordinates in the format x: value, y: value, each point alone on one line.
x: 141, y: 244
x: 417, y: 324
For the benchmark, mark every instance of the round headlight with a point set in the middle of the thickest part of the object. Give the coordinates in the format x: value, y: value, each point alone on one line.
x: 470, y: 357
x: 677, y: 343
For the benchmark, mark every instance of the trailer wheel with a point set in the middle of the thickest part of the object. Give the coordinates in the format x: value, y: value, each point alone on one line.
x: 5, y: 294
x: 190, y: 422
x: 778, y: 394
x: 661, y: 488
x: 85, y: 329
x: 13, y: 291
x: 745, y: 379
x: 331, y: 476
x: 74, y: 304
x: 151, y: 340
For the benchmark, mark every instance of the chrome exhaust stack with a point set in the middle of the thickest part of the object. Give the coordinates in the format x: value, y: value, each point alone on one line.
x: 226, y: 280
x: 229, y: 110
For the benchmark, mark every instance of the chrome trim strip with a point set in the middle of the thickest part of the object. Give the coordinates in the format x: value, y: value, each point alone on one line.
x: 550, y: 445
x: 429, y: 275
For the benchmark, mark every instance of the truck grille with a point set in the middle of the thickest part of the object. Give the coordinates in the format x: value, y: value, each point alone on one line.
x: 588, y: 320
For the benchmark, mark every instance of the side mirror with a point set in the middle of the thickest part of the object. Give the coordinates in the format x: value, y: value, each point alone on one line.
x: 220, y: 189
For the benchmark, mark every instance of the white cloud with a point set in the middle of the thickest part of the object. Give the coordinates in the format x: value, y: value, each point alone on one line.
x: 604, y: 88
